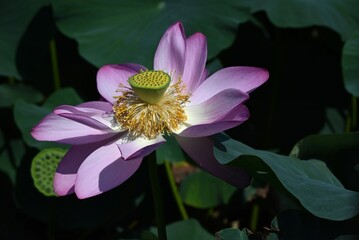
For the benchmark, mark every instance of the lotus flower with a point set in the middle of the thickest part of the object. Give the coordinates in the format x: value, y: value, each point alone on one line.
x: 110, y: 138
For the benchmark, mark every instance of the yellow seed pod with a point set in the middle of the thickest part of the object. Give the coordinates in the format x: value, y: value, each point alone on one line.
x: 150, y: 86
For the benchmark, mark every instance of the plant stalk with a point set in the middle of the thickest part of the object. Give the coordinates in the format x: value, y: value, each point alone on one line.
x: 157, y: 196
x: 175, y: 192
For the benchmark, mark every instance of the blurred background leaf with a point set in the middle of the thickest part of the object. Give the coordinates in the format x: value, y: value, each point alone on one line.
x: 202, y: 190
x: 12, y: 92
x: 171, y: 151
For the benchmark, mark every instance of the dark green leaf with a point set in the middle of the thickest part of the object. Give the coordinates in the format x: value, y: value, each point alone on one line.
x: 15, y: 16
x: 12, y: 92
x: 65, y: 96
x: 311, y: 182
x: 350, y: 64
x: 147, y: 235
x: 325, y: 145
x: 341, y: 16
x: 186, y: 230
x: 203, y: 190
x: 71, y: 213
x: 334, y: 122
x: 2, y: 140
x: 9, y: 165
x: 28, y: 115
x: 214, y: 65
x: 170, y: 151
x: 128, y: 31
x: 298, y: 225
x: 232, y: 234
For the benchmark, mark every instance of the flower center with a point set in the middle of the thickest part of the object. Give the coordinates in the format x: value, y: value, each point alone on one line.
x: 150, y: 86
x: 151, y: 106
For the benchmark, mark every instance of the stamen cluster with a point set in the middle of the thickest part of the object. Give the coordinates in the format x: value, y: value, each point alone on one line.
x: 147, y: 120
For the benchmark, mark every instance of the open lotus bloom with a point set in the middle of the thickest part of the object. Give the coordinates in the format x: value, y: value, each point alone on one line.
x: 110, y: 138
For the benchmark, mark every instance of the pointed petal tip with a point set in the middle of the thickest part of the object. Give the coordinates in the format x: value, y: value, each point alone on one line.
x: 110, y: 76
x: 64, y: 184
x: 83, y: 195
x: 198, y: 35
x: 261, y: 73
x: 177, y: 24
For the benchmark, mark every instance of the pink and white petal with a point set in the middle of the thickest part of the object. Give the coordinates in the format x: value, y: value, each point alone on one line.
x: 63, y: 130
x: 201, y: 151
x: 135, y: 67
x: 109, y: 77
x: 66, y: 172
x: 93, y: 117
x: 103, y: 170
x: 95, y: 106
x: 170, y: 53
x: 215, y: 107
x: 87, y: 121
x: 245, y: 79
x: 203, y: 77
x: 236, y: 117
x: 139, y: 147
x: 195, y: 61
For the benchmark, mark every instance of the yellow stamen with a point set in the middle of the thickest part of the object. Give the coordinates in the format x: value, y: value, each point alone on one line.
x: 148, y: 120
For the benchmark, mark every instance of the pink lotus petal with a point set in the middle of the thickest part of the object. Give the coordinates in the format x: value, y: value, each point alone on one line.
x: 215, y: 107
x: 109, y: 78
x: 139, y: 147
x: 90, y: 122
x: 66, y: 172
x: 63, y: 130
x: 245, y: 79
x: 196, y: 57
x: 236, y: 117
x: 203, y: 77
x: 134, y: 66
x: 103, y: 170
x: 93, y: 117
x: 201, y: 151
x: 170, y: 53
x: 95, y: 106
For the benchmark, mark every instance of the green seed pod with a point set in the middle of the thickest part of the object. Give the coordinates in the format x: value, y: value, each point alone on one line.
x: 150, y: 86
x: 43, y: 167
